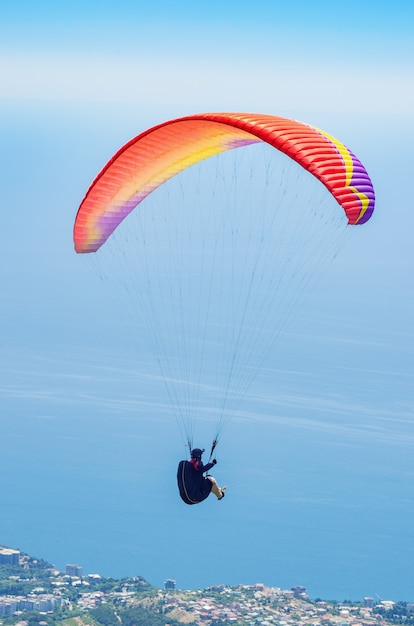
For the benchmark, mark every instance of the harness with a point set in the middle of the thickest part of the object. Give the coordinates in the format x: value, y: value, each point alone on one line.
x: 190, y: 501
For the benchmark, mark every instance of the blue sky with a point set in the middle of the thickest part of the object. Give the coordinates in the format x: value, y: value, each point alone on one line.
x: 330, y: 505
x: 197, y: 56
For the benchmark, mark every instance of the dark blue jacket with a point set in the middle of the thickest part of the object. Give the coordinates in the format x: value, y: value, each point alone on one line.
x: 193, y: 486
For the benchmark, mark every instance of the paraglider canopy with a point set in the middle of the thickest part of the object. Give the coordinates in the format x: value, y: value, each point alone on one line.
x: 161, y: 152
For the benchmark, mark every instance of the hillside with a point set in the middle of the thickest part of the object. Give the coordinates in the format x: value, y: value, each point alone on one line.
x: 34, y: 593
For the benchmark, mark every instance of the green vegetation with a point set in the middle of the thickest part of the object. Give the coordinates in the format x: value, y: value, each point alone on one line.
x: 142, y: 617
x: 22, y: 579
x: 105, y: 615
x: 399, y: 614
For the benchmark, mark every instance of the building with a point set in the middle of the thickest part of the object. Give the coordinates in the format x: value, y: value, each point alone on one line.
x: 169, y: 584
x: 43, y: 603
x: 299, y: 591
x: 74, y: 570
x: 9, y: 556
x: 8, y: 606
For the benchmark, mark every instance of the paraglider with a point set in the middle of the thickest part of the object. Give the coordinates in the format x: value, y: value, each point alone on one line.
x: 192, y: 485
x: 217, y: 281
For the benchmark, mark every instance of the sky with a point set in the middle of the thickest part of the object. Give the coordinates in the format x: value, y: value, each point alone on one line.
x: 318, y: 461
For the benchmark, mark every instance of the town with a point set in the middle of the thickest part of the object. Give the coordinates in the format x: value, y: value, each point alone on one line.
x: 33, y: 592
